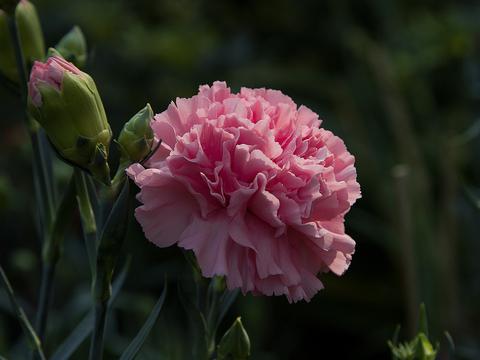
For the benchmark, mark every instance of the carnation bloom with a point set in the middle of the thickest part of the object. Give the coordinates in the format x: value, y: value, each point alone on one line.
x: 253, y: 186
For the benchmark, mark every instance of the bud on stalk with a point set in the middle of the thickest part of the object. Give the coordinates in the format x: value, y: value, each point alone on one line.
x: 136, y: 137
x: 31, y: 38
x: 66, y: 102
x: 73, y: 47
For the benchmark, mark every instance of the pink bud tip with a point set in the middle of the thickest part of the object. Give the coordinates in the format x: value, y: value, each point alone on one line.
x: 50, y: 73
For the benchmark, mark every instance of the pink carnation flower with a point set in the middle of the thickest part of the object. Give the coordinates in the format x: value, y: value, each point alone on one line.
x: 253, y: 186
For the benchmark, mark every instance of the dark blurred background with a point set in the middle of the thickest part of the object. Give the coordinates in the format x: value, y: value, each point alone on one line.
x: 398, y: 80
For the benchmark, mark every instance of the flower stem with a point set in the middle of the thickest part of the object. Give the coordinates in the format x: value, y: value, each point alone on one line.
x: 43, y: 176
x: 30, y: 334
x: 109, y: 249
x: 51, y: 253
x: 48, y: 272
x: 96, y: 346
x: 87, y: 215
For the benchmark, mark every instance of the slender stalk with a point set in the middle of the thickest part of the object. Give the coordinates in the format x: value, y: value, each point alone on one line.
x: 48, y: 273
x: 22, y: 317
x: 404, y: 228
x: 96, y: 346
x: 43, y: 177
x: 90, y: 236
x: 87, y: 215
x: 109, y: 249
x: 51, y: 254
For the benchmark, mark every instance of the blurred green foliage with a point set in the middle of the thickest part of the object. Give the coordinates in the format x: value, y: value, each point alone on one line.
x: 399, y: 80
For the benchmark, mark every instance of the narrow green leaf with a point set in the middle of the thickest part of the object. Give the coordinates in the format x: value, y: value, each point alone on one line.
x: 75, y: 339
x: 85, y: 327
x: 226, y: 302
x: 450, y: 341
x: 468, y: 135
x: 87, y: 215
x: 63, y: 215
x: 396, y: 334
x: 30, y: 334
x: 423, y: 322
x: 132, y: 350
x: 94, y: 200
x: 198, y: 325
x: 472, y: 197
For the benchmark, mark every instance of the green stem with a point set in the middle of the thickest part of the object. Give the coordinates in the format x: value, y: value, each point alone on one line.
x: 113, y: 234
x: 30, y: 334
x: 87, y: 215
x: 108, y: 194
x: 96, y: 346
x: 43, y: 176
x: 51, y: 253
x: 48, y: 273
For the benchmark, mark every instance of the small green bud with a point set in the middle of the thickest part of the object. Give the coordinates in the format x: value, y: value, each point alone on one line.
x: 31, y: 38
x: 136, y: 137
x: 235, y: 344
x: 66, y: 102
x: 420, y: 348
x: 425, y: 349
x: 73, y: 47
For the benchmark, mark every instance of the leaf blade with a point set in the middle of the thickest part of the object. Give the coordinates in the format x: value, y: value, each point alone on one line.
x: 132, y: 350
x: 85, y: 326
x: 27, y: 327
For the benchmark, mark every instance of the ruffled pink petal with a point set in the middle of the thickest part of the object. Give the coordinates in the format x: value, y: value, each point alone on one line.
x: 167, y: 209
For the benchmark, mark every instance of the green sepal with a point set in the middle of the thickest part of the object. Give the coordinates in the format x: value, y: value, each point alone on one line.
x: 53, y: 52
x: 235, y: 344
x: 73, y: 47
x: 75, y: 121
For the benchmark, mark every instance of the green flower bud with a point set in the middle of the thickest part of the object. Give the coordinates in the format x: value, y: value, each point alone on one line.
x: 73, y: 47
x: 235, y: 344
x: 420, y: 348
x: 65, y: 101
x: 425, y: 349
x: 31, y: 38
x: 136, y: 137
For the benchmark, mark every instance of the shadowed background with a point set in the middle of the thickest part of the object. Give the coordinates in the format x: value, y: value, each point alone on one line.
x: 399, y: 81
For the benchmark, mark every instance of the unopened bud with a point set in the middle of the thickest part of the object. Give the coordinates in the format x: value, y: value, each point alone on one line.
x: 73, y: 47
x: 235, y: 344
x: 66, y: 102
x: 31, y: 39
x: 136, y: 137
